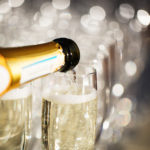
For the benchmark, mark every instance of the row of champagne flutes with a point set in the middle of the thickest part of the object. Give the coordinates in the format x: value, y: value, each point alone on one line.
x: 62, y: 116
x: 63, y: 111
x: 106, y: 45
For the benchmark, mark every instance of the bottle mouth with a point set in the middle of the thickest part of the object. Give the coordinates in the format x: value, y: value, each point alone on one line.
x: 71, y: 51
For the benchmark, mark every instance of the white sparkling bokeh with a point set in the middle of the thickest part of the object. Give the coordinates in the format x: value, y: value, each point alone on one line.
x: 126, y: 11
x: 118, y: 90
x: 103, y: 51
x: 44, y: 21
x: 15, y: 3
x: 135, y: 25
x: 4, y: 7
x: 63, y: 24
x: 118, y: 34
x: 143, y: 17
x: 106, y: 125
x: 61, y: 4
x: 125, y: 104
x: 89, y: 25
x: 65, y: 15
x: 51, y: 33
x: 113, y: 25
x: 130, y: 68
x: 97, y: 13
x: 48, y: 10
x: 123, y: 119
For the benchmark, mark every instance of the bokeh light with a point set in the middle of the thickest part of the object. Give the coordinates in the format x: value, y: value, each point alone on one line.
x: 48, y: 10
x: 125, y: 104
x: 114, y: 25
x: 44, y: 21
x: 4, y: 7
x: 106, y: 125
x: 126, y: 11
x: 99, y: 38
x: 51, y: 33
x: 123, y: 118
x: 15, y: 3
x: 135, y: 26
x: 118, y: 90
x: 65, y: 15
x: 97, y: 13
x: 130, y: 68
x: 90, y: 25
x: 61, y: 4
x: 143, y: 17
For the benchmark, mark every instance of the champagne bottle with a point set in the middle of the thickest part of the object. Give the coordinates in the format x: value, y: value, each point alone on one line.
x: 20, y: 65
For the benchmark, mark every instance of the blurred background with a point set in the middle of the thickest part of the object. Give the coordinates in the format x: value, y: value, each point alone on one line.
x: 117, y: 30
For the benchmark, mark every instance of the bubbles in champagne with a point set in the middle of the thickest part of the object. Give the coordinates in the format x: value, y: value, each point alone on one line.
x: 44, y: 21
x: 76, y: 112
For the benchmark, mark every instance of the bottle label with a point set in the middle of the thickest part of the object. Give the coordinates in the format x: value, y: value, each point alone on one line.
x: 42, y: 67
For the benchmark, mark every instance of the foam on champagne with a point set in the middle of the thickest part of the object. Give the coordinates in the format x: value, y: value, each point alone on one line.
x: 18, y: 93
x: 69, y: 98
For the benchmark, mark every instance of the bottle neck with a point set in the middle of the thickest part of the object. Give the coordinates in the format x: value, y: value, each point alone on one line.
x: 25, y: 64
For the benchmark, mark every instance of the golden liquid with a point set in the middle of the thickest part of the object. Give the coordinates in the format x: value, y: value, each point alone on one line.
x: 13, y: 123
x: 68, y: 126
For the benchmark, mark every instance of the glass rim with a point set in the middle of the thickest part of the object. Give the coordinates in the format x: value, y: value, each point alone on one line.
x: 20, y: 92
x: 86, y: 69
